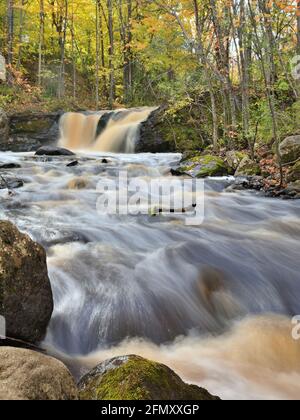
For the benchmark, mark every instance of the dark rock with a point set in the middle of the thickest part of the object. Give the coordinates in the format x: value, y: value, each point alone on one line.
x: 26, y: 300
x: 247, y: 183
x: 10, y: 183
x: 74, y: 163
x: 29, y: 131
x: 9, y: 166
x: 135, y: 378
x: 152, y: 138
x: 53, y: 151
x: 4, y: 127
x: 290, y: 149
x: 29, y: 375
x: 104, y: 161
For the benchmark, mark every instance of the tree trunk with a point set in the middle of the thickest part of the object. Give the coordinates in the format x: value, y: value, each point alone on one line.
x: 111, y: 54
x: 97, y: 52
x: 41, y: 41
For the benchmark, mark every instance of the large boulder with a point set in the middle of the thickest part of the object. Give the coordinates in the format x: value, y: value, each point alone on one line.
x: 53, y: 151
x: 28, y: 375
x: 4, y: 126
x: 234, y: 158
x: 135, y: 378
x: 290, y: 149
x: 204, y: 166
x: 155, y: 134
x: 26, y: 300
x: 29, y: 131
x: 248, y: 167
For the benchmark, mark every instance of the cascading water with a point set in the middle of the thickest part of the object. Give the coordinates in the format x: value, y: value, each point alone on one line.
x: 213, y: 302
x: 120, y: 133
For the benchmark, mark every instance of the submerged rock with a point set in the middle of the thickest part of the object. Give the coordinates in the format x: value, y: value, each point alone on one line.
x: 203, y: 166
x: 28, y: 375
x: 10, y: 183
x: 53, y: 151
x: 248, y: 167
x: 290, y: 149
x: 135, y: 378
x: 9, y: 165
x: 25, y: 293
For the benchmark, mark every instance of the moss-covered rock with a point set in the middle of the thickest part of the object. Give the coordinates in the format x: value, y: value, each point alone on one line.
x: 204, y: 166
x: 290, y: 149
x: 135, y: 378
x: 234, y: 158
x: 294, y: 173
x: 25, y: 293
x: 248, y: 167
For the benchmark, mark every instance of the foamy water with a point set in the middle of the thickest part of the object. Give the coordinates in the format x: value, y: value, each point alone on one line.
x: 214, y: 302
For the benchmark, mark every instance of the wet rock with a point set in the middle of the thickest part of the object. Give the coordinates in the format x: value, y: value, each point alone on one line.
x: 248, y: 167
x: 234, y: 159
x: 9, y: 166
x: 72, y: 164
x: 290, y: 149
x: 247, y: 183
x: 29, y: 131
x: 203, y: 166
x: 10, y: 183
x: 153, y: 138
x: 4, y: 127
x: 53, y: 151
x: 78, y: 184
x: 25, y: 293
x: 135, y: 378
x: 28, y: 375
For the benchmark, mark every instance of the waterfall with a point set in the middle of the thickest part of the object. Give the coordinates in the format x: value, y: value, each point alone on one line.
x: 104, y: 131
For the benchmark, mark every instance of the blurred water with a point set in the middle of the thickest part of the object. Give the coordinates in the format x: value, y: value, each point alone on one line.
x: 148, y: 280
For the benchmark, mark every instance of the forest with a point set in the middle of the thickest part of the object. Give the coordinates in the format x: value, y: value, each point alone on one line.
x: 227, y: 70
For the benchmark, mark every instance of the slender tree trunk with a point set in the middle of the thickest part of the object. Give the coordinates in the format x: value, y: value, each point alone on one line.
x: 41, y: 41
x: 298, y: 26
x: 111, y: 53
x: 74, y: 78
x: 64, y: 17
x: 21, y: 28
x: 97, y: 52
x: 10, y: 30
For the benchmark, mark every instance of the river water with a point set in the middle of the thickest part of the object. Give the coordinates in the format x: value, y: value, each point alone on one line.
x: 214, y: 301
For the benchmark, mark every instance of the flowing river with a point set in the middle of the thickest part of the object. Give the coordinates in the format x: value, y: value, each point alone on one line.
x: 214, y: 302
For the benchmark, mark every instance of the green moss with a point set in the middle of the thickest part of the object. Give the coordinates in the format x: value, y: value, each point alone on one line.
x: 135, y: 378
x: 203, y: 166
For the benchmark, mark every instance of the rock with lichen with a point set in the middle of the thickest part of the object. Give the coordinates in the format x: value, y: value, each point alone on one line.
x: 290, y: 149
x: 248, y: 167
x: 26, y: 300
x: 28, y: 375
x: 135, y: 378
